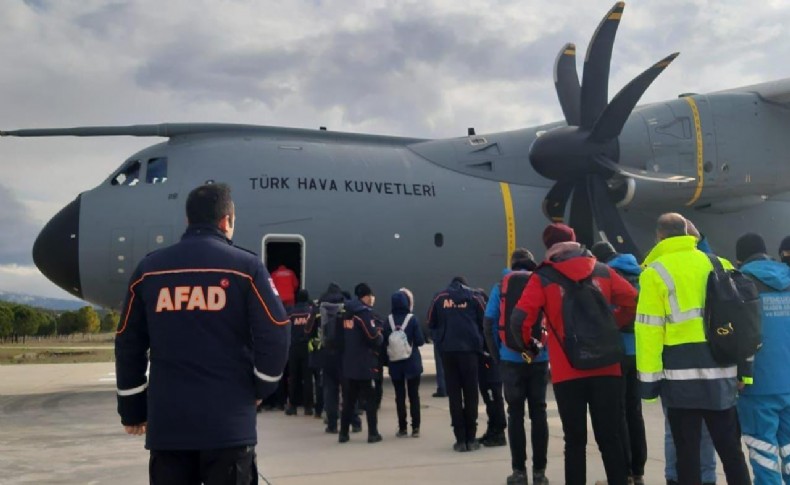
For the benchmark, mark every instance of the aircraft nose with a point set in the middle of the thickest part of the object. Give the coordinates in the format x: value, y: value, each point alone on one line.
x: 56, y: 250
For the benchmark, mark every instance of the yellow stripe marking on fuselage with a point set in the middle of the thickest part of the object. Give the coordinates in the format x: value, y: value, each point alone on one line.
x: 700, y: 158
x: 510, y: 220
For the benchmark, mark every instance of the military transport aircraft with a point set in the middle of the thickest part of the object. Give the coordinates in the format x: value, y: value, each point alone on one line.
x: 413, y: 212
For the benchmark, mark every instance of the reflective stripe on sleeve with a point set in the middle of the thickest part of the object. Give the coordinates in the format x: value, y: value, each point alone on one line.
x: 651, y: 376
x: 266, y: 378
x: 784, y: 451
x: 132, y: 391
x: 761, y: 445
x: 763, y: 461
x: 705, y: 374
x: 649, y: 319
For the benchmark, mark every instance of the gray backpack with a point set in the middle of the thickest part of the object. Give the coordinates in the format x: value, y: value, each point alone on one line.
x: 398, y: 346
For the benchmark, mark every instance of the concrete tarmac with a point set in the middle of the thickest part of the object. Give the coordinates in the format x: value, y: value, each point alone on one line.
x: 58, y: 425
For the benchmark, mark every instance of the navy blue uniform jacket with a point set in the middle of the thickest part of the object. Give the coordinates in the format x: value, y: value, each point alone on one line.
x: 362, y: 340
x: 456, y: 319
x: 218, y: 338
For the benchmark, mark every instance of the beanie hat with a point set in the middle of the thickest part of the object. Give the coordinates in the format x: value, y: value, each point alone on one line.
x: 748, y: 245
x: 603, y: 251
x: 362, y: 290
x: 557, y: 233
x: 784, y: 245
x: 302, y: 296
x: 522, y: 259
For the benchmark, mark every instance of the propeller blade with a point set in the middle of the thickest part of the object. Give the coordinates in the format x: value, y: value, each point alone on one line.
x: 555, y: 201
x: 614, y: 116
x: 581, y: 213
x: 608, y: 220
x: 595, y: 79
x: 566, y: 81
x: 640, y: 174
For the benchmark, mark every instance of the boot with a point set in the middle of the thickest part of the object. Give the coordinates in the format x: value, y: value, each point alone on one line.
x: 494, y: 439
x: 518, y: 477
x: 460, y: 446
x: 539, y: 477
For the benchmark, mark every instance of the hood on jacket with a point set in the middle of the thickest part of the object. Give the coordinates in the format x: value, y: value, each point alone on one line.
x: 772, y: 273
x: 459, y: 292
x: 571, y: 259
x: 400, y: 303
x: 626, y: 263
x: 333, y: 294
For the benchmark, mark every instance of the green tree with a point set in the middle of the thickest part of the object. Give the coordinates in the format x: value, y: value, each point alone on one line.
x: 88, y: 320
x: 6, y: 322
x: 109, y: 321
x: 68, y: 323
x: 48, y: 326
x: 26, y: 321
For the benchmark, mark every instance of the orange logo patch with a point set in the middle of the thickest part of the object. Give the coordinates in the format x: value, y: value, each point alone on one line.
x: 180, y: 298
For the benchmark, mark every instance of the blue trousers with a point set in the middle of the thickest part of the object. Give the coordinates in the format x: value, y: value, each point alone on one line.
x: 765, y: 424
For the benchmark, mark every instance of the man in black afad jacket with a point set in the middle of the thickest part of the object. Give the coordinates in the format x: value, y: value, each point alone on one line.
x: 456, y: 321
x: 218, y: 337
x: 362, y: 339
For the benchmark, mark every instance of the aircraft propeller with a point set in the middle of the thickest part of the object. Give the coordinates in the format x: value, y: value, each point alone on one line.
x: 582, y: 156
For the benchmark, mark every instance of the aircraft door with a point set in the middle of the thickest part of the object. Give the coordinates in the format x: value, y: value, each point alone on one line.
x: 285, y: 249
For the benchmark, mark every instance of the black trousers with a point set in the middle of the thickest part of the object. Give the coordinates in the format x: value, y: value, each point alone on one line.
x: 495, y: 406
x: 526, y: 382
x: 460, y: 375
x: 603, y: 396
x: 226, y: 466
x: 300, y: 380
x: 319, y: 390
x: 360, y: 392
x: 725, y: 432
x: 413, y: 387
x: 632, y: 428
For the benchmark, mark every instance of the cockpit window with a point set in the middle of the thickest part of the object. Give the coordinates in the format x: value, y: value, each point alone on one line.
x: 157, y: 171
x: 128, y: 175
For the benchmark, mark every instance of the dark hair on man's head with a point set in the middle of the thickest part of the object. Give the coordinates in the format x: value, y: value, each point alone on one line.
x: 209, y: 203
x: 522, y: 260
x: 671, y: 224
x: 460, y: 279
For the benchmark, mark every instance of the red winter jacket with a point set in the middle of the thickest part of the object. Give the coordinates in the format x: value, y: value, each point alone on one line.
x: 286, y: 283
x: 577, y: 264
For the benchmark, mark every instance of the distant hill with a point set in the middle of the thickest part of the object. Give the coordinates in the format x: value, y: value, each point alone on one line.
x: 42, y: 302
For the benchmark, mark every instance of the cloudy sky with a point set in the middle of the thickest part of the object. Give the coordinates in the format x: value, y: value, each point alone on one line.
x: 426, y: 68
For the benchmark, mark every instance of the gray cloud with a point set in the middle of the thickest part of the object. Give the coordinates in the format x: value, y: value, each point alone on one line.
x: 19, y: 231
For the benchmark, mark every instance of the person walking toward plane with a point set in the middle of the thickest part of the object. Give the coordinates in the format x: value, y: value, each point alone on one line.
x: 522, y: 381
x: 300, y: 379
x: 764, y: 406
x: 632, y: 429
x: 286, y: 283
x: 362, y: 339
x: 205, y: 315
x: 456, y: 318
x: 402, y: 341
x: 673, y: 357
x: 490, y: 384
x: 568, y: 278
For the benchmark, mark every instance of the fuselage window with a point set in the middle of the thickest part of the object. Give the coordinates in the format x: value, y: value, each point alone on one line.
x: 157, y: 171
x: 128, y: 175
x: 438, y: 239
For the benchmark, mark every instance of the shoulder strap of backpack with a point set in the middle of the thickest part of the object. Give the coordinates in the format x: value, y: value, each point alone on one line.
x: 555, y: 276
x: 406, y: 322
x: 392, y: 322
x: 717, y: 266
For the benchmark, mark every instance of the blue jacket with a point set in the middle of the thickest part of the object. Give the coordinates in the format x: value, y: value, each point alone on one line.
x: 411, y: 367
x: 456, y: 319
x: 493, y: 312
x: 362, y: 340
x: 629, y: 268
x: 773, y: 280
x: 218, y: 338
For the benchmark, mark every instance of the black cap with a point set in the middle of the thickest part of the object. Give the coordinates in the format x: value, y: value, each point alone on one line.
x: 748, y: 245
x: 784, y: 245
x: 603, y: 251
x: 362, y: 290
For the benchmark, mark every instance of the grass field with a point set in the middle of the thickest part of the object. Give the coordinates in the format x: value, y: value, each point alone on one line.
x: 55, y: 350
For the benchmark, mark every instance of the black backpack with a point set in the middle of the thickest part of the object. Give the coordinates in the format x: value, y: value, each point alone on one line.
x: 510, y: 290
x: 733, y: 326
x: 592, y: 339
x: 331, y: 323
